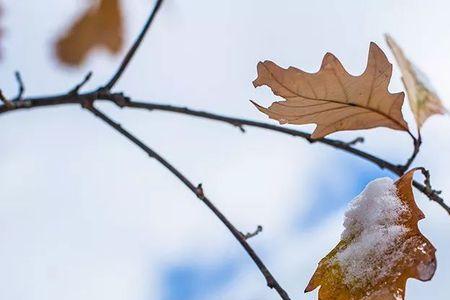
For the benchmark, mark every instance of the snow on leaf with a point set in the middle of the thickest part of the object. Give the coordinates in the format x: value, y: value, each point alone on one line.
x: 423, y: 99
x: 380, y: 248
x: 332, y: 98
x: 101, y: 26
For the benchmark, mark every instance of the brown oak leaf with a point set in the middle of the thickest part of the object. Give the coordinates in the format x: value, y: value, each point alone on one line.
x: 332, y: 98
x: 101, y: 26
x: 380, y: 248
x: 423, y: 99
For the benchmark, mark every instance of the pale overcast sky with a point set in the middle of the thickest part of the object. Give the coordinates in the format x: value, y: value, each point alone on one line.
x: 84, y: 214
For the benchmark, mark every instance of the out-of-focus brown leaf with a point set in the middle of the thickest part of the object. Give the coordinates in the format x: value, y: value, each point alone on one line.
x: 412, y: 256
x: 423, y: 99
x: 332, y: 98
x: 101, y: 26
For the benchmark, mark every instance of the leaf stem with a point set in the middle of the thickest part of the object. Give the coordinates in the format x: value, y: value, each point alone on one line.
x: 21, y: 86
x: 417, y: 142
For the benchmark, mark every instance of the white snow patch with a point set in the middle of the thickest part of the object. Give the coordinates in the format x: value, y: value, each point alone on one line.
x: 371, y: 223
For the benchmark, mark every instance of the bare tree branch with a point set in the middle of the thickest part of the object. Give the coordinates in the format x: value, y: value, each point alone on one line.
x: 133, y: 48
x: 199, y: 193
x: 123, y: 101
x: 240, y: 123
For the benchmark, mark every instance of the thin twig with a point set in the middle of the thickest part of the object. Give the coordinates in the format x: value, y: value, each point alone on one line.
x: 428, y: 190
x: 249, y: 235
x: 432, y: 195
x: 427, y: 181
x: 355, y: 141
x: 21, y: 86
x: 77, y: 88
x: 417, y: 142
x: 198, y: 191
x: 133, y: 48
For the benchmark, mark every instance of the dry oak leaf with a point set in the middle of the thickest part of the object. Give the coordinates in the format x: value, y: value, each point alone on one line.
x: 423, y: 99
x: 380, y: 248
x: 332, y: 98
x: 101, y: 26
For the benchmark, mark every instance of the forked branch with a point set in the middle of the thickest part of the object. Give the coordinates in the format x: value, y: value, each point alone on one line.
x: 199, y: 193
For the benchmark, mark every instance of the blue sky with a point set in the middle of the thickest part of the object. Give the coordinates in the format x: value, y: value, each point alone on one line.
x: 86, y: 215
x: 190, y: 280
x: 193, y: 280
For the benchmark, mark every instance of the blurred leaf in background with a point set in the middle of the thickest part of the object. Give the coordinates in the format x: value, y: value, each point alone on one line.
x: 423, y: 100
x: 101, y: 26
